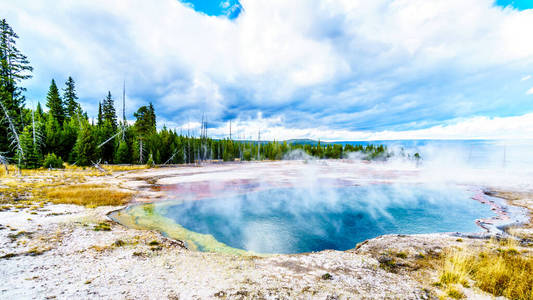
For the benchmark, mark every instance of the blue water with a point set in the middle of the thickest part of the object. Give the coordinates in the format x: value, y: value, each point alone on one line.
x: 303, y: 220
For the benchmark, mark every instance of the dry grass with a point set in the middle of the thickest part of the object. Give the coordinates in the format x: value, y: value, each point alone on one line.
x: 121, y: 168
x: 66, y: 186
x: 457, y: 268
x: 90, y: 195
x: 500, y: 270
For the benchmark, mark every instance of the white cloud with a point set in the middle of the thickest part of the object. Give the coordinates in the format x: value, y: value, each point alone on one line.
x: 517, y: 127
x: 527, y: 77
x: 308, y: 63
x: 530, y: 91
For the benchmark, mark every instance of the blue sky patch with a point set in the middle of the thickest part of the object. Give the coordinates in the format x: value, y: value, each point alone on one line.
x: 228, y: 8
x: 518, y: 4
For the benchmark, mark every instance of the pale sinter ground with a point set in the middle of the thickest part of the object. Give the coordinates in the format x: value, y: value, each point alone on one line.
x: 57, y: 253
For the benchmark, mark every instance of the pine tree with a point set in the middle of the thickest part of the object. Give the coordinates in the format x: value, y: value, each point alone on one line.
x: 100, y: 119
x: 86, y: 148
x: 145, y: 121
x: 52, y: 134
x: 108, y: 111
x: 104, y: 133
x: 32, y: 153
x: 39, y: 110
x: 152, y: 116
x: 70, y: 97
x: 69, y: 135
x: 122, y: 156
x: 14, y: 68
x: 55, y: 104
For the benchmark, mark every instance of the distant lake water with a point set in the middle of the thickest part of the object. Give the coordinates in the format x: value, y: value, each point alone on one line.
x: 475, y: 153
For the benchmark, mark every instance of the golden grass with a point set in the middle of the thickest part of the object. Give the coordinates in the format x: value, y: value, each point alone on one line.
x: 90, y: 195
x: 457, y: 268
x: 500, y: 270
x: 66, y: 186
x: 120, y: 168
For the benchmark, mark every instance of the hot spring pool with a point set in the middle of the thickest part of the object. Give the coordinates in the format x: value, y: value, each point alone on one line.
x: 295, y: 220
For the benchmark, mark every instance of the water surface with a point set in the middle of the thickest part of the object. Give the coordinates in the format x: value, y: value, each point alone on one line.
x: 295, y: 220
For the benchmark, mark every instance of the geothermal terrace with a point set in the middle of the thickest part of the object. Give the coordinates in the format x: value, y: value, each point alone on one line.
x: 153, y: 259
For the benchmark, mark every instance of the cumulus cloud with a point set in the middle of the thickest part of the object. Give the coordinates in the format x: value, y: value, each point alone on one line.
x: 316, y: 68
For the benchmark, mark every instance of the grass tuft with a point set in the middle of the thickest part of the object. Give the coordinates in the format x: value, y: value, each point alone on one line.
x: 119, y: 243
x: 501, y: 272
x: 454, y: 293
x: 102, y: 227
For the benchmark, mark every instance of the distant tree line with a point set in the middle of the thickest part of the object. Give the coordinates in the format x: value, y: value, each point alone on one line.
x: 34, y: 138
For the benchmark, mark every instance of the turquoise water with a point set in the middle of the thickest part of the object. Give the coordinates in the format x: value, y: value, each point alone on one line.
x: 293, y: 220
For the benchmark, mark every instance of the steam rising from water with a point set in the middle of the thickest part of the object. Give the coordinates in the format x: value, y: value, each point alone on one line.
x: 269, y: 207
x: 292, y: 220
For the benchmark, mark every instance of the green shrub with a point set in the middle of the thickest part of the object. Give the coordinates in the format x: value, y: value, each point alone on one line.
x: 247, y: 155
x: 53, y: 161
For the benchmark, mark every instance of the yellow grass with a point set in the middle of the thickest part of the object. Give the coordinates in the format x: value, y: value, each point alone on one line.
x: 90, y: 195
x: 119, y: 168
x: 60, y: 186
x: 500, y: 270
x: 457, y: 268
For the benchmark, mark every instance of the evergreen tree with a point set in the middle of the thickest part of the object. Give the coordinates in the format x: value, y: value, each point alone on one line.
x: 52, y: 134
x: 70, y: 97
x: 68, y: 138
x: 152, y: 116
x: 14, y: 68
x: 39, y: 110
x: 32, y: 153
x: 104, y: 133
x: 55, y: 104
x: 108, y: 111
x: 145, y: 121
x: 122, y: 156
x: 86, y: 148
x: 100, y: 119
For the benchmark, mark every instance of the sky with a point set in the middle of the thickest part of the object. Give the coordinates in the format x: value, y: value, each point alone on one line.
x: 329, y: 69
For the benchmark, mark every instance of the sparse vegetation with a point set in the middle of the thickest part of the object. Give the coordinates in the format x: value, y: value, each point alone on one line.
x: 501, y: 271
x: 8, y: 255
x: 401, y: 254
x: 35, y: 251
x: 14, y: 237
x: 102, y: 227
x: 119, y: 243
x: 454, y: 293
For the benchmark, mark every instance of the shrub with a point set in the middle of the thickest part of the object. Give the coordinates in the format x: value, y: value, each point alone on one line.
x: 247, y: 155
x: 52, y: 161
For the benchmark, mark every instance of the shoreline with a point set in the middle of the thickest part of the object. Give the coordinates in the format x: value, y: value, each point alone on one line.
x: 506, y: 215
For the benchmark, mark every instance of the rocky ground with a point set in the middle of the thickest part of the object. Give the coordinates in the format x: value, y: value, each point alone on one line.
x: 67, y: 251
